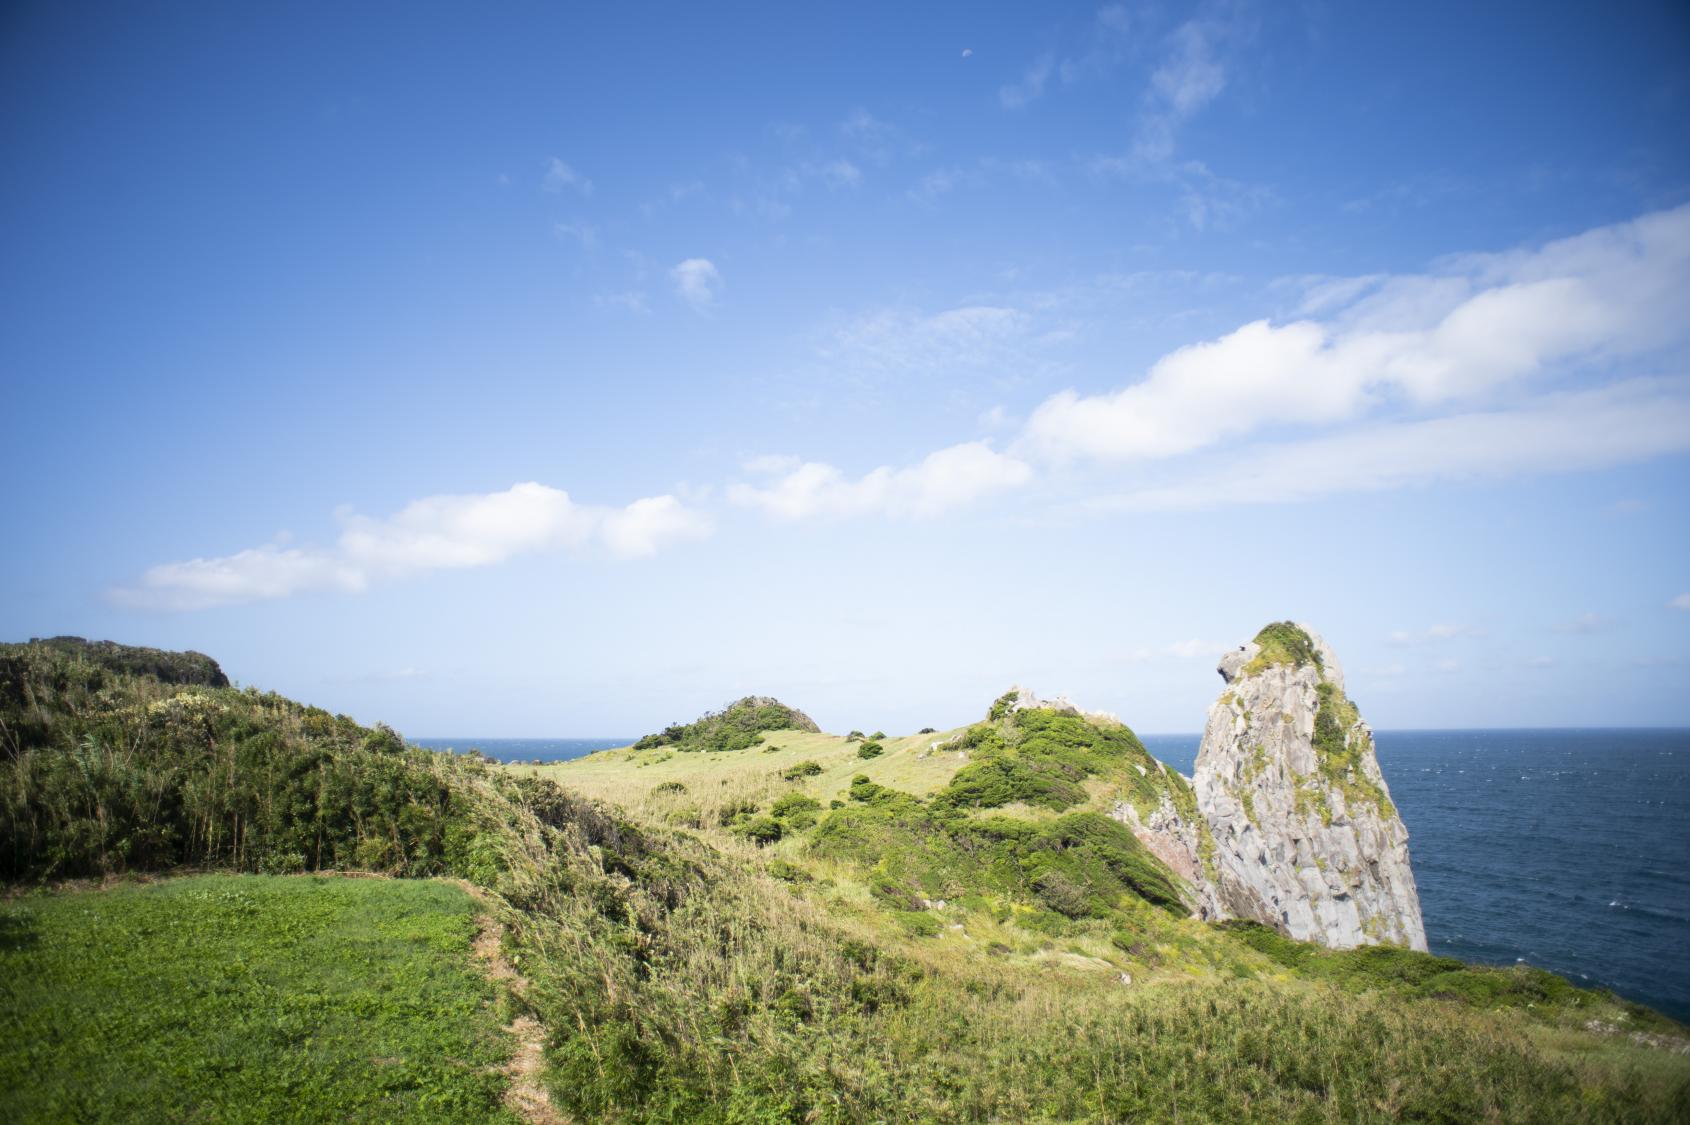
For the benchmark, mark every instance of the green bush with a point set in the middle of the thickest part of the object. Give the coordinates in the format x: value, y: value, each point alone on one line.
x: 762, y: 829
x: 664, y: 787
x: 800, y: 770
x: 870, y: 750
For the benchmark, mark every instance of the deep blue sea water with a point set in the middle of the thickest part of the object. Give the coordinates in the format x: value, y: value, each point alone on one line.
x: 1569, y: 849
x: 525, y: 749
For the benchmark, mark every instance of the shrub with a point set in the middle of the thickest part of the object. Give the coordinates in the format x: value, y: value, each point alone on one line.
x: 800, y: 770
x: 927, y: 730
x: 796, y: 810
x: 762, y: 829
x: 877, y: 735
x: 870, y: 750
x: 668, y: 787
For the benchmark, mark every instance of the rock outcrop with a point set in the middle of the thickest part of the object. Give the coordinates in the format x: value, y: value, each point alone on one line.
x: 1305, y: 837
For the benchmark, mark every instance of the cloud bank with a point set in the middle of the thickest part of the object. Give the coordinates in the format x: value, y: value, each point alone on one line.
x: 1419, y: 342
x: 448, y: 532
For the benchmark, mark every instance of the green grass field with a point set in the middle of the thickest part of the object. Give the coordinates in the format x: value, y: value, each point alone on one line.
x: 247, y: 998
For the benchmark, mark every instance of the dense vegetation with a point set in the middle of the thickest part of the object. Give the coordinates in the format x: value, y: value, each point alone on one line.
x: 231, y: 998
x: 738, y: 725
x: 777, y: 961
x: 1283, y: 642
x: 106, y: 771
x: 1340, y: 744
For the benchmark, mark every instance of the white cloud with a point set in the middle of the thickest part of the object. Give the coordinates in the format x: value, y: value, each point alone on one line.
x: 455, y: 531
x: 256, y: 574
x: 945, y: 479
x: 646, y: 526
x: 560, y: 175
x: 1682, y: 601
x: 1496, y: 320
x: 1627, y: 422
x: 435, y: 533
x: 697, y: 282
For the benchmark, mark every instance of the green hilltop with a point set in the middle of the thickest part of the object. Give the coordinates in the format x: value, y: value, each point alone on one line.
x: 738, y: 725
x: 773, y: 928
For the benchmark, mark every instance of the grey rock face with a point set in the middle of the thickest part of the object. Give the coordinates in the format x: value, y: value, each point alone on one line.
x: 1305, y: 836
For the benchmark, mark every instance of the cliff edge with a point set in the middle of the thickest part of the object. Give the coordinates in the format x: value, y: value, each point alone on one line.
x: 1306, y: 838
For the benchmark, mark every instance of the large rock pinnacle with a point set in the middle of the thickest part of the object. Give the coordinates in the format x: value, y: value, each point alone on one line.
x: 1305, y: 836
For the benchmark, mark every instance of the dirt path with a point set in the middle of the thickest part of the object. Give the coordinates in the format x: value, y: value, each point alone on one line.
x: 526, y: 1096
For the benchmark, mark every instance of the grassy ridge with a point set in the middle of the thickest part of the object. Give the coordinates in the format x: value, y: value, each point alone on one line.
x: 247, y: 998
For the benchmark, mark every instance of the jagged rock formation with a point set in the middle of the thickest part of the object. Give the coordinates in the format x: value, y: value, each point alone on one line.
x: 1019, y: 698
x: 1305, y: 837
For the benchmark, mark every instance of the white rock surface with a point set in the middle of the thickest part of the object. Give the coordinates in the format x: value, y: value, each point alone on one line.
x: 1318, y: 853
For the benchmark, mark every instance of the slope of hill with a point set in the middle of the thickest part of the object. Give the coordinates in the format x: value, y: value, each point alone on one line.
x: 956, y: 929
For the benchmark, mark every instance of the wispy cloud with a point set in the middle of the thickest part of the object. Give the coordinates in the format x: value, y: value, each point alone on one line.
x: 560, y: 176
x: 904, y: 340
x: 697, y: 282
x: 941, y: 481
x: 581, y: 232
x: 447, y: 532
x: 1190, y: 74
x: 876, y: 141
x: 1682, y: 601
x: 1031, y: 86
x: 1560, y: 433
x: 1434, y: 633
x: 1099, y: 47
x: 625, y: 300
x: 1585, y: 623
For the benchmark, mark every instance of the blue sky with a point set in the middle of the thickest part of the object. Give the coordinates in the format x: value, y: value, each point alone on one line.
x: 569, y: 372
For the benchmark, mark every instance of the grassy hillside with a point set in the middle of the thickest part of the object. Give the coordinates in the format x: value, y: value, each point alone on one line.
x: 244, y: 998
x: 793, y: 932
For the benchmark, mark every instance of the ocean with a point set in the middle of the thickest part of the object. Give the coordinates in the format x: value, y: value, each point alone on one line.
x: 1567, y: 849
x: 524, y: 749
